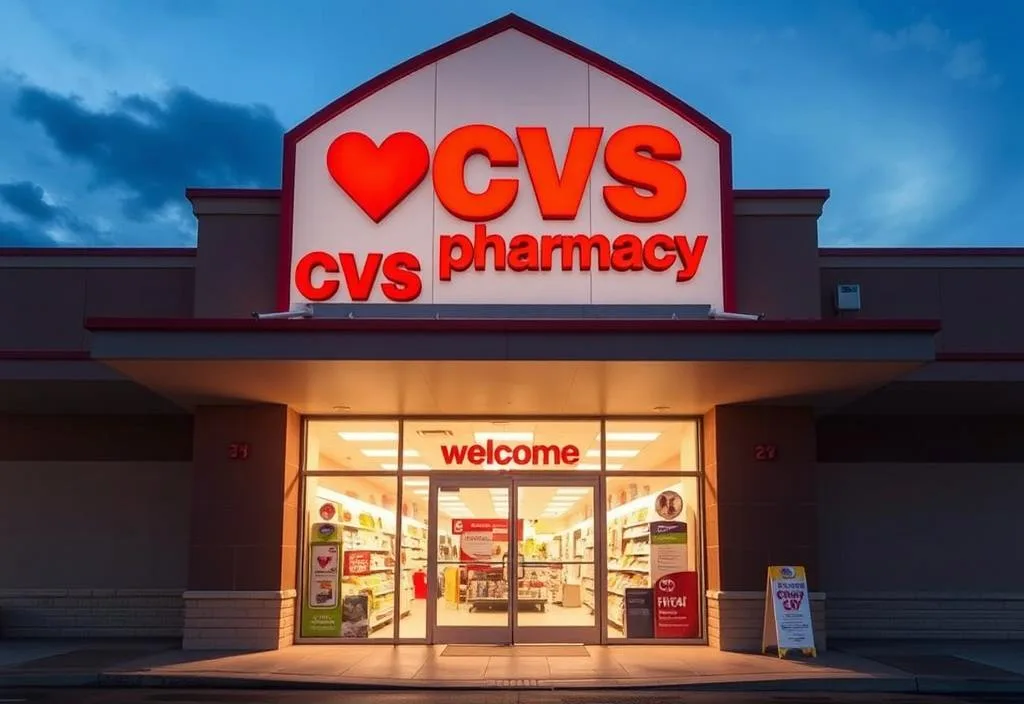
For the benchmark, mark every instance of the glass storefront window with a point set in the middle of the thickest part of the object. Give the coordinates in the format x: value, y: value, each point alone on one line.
x: 503, y: 445
x: 611, y: 554
x: 414, y: 550
x: 652, y: 445
x: 350, y: 588
x: 653, y: 551
x: 356, y: 445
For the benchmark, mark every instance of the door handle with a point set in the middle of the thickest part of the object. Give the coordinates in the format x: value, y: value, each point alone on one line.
x: 504, y: 567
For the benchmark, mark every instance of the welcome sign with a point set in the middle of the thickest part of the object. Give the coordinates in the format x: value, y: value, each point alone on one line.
x: 509, y: 166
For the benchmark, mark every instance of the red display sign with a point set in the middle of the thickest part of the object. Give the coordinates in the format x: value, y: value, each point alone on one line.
x: 498, y: 527
x: 676, y: 606
x: 645, y: 162
x: 357, y: 562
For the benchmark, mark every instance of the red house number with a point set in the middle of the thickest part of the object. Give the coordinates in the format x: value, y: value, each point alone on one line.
x: 765, y: 453
x: 238, y: 451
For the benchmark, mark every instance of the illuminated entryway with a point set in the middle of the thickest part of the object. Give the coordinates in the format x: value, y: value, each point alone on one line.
x: 438, y: 530
x: 515, y: 560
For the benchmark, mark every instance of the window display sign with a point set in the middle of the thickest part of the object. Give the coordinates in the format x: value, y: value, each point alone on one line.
x: 476, y: 545
x: 357, y: 562
x: 321, y: 611
x: 787, y: 613
x: 675, y: 588
x: 639, y: 613
x: 497, y: 527
x: 355, y: 616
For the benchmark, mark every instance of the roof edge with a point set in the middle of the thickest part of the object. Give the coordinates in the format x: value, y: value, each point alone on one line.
x: 171, y: 325
x: 921, y: 251
x: 57, y: 251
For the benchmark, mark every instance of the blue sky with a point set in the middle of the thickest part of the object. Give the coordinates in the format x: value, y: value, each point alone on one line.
x: 909, y: 111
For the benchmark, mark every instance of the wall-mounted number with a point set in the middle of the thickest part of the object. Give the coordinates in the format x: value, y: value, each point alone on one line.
x: 238, y: 451
x: 765, y: 453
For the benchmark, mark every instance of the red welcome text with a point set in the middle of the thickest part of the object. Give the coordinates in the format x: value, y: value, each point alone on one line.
x: 503, y: 455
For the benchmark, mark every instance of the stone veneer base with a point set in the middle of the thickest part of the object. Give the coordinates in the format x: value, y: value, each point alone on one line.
x: 926, y: 615
x: 736, y: 620
x: 91, y: 613
x: 239, y: 620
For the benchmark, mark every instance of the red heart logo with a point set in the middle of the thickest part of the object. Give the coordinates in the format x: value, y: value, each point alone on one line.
x: 324, y: 560
x: 377, y: 178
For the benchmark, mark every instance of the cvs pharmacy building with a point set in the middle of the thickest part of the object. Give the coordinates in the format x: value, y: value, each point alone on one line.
x: 524, y: 368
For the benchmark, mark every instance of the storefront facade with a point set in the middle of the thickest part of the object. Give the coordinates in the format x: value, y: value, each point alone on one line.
x: 508, y: 375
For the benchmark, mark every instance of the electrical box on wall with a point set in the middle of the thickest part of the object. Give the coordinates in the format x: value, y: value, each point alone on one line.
x: 848, y: 297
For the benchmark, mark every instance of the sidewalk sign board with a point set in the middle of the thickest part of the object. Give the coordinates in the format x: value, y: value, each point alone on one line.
x: 787, y: 612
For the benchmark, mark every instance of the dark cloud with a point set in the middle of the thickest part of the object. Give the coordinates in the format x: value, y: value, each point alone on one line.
x: 36, y: 217
x: 26, y: 199
x: 15, y: 234
x: 153, y: 149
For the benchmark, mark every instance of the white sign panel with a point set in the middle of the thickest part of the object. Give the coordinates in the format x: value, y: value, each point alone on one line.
x: 506, y: 171
x: 787, y: 614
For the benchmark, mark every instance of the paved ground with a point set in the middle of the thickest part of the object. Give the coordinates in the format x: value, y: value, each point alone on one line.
x: 857, y: 667
x: 163, y: 696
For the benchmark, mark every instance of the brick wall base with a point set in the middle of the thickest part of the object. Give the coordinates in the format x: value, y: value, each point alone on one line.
x: 235, y: 620
x: 91, y: 613
x: 932, y: 615
x: 736, y: 621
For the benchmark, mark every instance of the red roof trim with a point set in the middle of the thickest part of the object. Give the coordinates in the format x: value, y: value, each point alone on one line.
x: 44, y: 355
x: 922, y: 252
x: 269, y: 193
x: 782, y: 193
x: 451, y: 325
x: 508, y: 22
x: 97, y: 252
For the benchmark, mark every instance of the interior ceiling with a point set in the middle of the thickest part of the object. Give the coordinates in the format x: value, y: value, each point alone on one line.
x: 501, y: 388
x: 675, y: 446
x: 571, y: 503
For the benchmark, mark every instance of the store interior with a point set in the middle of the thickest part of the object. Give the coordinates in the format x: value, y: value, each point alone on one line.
x: 557, y: 577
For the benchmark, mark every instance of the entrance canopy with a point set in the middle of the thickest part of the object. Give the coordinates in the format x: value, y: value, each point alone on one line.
x: 511, y: 367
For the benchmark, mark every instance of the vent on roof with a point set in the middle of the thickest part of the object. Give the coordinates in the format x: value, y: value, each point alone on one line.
x: 434, y: 433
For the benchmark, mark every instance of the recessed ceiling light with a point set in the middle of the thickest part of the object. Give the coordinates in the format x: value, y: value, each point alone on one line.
x: 613, y: 453
x: 504, y: 436
x: 368, y: 435
x: 388, y: 452
x: 421, y: 492
x: 588, y: 465
x: 417, y: 482
x: 408, y: 465
x: 573, y: 491
x: 631, y: 437
x: 341, y: 408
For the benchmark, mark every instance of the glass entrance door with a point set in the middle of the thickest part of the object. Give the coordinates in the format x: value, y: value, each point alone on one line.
x: 514, y: 560
x: 557, y: 556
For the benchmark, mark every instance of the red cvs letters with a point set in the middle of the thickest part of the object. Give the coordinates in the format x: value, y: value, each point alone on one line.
x: 649, y: 187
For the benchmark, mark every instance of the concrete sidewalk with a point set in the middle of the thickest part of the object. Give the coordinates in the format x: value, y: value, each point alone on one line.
x: 863, y: 667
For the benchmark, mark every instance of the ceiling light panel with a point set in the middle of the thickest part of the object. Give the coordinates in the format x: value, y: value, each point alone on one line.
x: 368, y: 436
